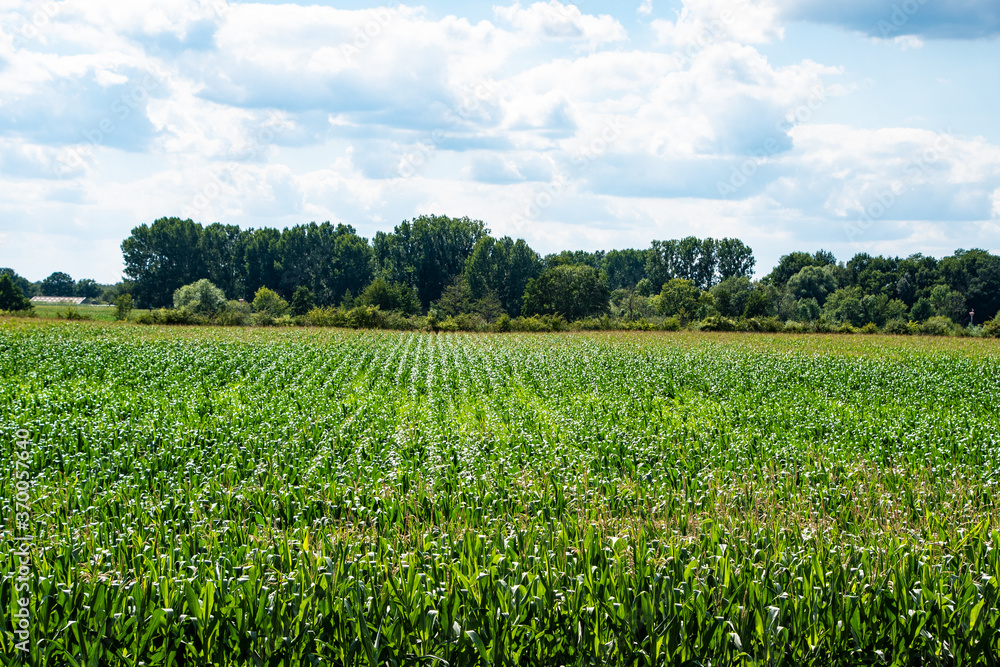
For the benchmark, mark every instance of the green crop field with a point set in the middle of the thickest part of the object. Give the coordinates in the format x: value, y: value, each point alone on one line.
x: 317, y: 497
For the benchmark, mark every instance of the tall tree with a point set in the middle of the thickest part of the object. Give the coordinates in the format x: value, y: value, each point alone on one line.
x: 573, y: 291
x: 58, y: 284
x: 328, y: 260
x: 794, y: 262
x: 624, y: 268
x: 222, y: 252
x: 25, y: 285
x: 162, y: 257
x: 262, y: 260
x: 735, y: 259
x: 427, y: 252
x: 501, y: 267
x: 11, y: 296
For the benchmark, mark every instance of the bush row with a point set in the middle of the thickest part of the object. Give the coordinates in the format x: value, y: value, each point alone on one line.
x: 371, y: 317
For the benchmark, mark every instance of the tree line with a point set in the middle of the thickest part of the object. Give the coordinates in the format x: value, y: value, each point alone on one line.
x: 447, y: 267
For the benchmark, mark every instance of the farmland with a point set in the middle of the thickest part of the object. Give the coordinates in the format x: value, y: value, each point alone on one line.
x: 297, y: 497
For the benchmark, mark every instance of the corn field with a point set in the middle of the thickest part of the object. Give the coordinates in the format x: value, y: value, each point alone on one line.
x: 289, y: 498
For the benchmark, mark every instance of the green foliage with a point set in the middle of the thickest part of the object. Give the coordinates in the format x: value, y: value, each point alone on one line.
x: 427, y: 253
x: 201, y: 297
x: 88, y: 289
x: 922, y: 310
x: 58, y: 284
x: 992, y: 327
x: 758, y: 305
x: 302, y: 301
x: 791, y: 264
x: 845, y: 307
x: 813, y: 282
x: 123, y: 307
x: 389, y: 296
x: 573, y: 291
x: 897, y: 328
x: 269, y: 303
x: 679, y: 297
x: 11, y: 296
x: 939, y: 325
x: 235, y: 314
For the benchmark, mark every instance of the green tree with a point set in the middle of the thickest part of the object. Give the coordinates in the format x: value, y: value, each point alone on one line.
x: 162, y: 257
x: 58, y: 284
x: 302, y: 301
x: 573, y: 291
x: 922, y: 310
x: 949, y: 303
x: 679, y: 297
x: 794, y: 262
x: 502, y: 268
x: 390, y: 296
x: 813, y: 282
x: 11, y: 296
x: 731, y: 295
x: 222, y: 250
x: 456, y: 298
x: 624, y: 268
x: 200, y: 297
x: 427, y: 253
x: 758, y: 304
x: 327, y: 259
x: 25, y: 285
x: 262, y: 260
x: 844, y: 306
x: 270, y: 302
x: 123, y: 307
x: 88, y: 288
x: 735, y: 259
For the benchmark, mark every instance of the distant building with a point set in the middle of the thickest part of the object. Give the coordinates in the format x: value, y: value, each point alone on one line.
x: 58, y: 300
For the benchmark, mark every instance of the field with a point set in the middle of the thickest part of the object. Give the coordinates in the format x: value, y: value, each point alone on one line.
x: 303, y: 497
x: 99, y: 313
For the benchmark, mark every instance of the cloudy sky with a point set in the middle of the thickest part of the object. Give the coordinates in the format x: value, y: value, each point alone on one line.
x: 858, y: 125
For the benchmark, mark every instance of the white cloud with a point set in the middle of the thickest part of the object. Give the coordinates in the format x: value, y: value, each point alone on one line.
x: 277, y: 114
x: 554, y: 20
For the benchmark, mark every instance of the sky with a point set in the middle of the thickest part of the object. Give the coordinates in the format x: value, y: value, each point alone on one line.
x: 852, y: 126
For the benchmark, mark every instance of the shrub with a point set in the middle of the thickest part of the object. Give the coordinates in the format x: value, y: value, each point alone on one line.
x: 326, y: 317
x: 794, y: 327
x: 201, y: 298
x: 870, y: 328
x: 717, y: 324
x: 447, y: 324
x: 897, y: 328
x: 270, y: 302
x: 847, y: 328
x: 992, y: 328
x: 939, y: 325
x: 123, y: 307
x: 170, y: 316
x: 72, y: 314
x: 639, y: 325
x: 671, y: 324
x: 366, y: 317
x: 502, y: 324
